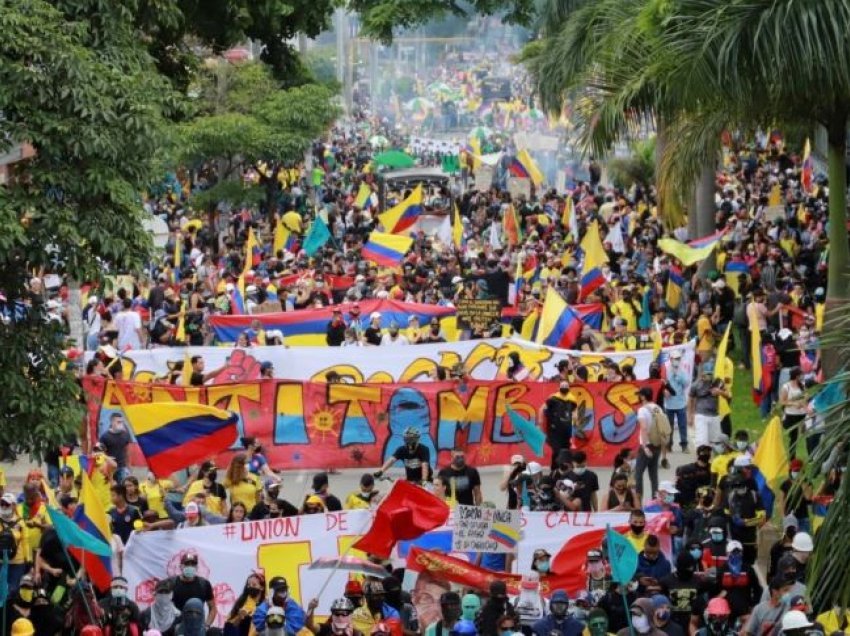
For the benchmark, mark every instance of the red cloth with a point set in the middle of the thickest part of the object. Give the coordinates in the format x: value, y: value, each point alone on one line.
x: 406, y: 513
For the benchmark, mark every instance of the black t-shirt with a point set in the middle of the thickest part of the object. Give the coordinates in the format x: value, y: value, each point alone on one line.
x: 586, y: 484
x: 796, y: 504
x: 122, y: 522
x: 686, y: 599
x: 50, y: 549
x: 116, y: 443
x: 462, y: 481
x: 413, y: 460
x: 559, y: 416
x: 141, y: 503
x: 198, y: 588
x: 689, y: 478
x: 372, y: 335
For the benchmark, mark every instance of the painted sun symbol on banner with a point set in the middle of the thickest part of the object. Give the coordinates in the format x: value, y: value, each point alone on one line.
x: 323, y: 422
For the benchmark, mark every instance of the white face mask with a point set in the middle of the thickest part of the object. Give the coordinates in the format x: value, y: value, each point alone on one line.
x: 641, y: 624
x: 7, y: 513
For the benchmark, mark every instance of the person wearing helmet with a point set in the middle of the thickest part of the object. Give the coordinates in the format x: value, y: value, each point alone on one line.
x: 463, y: 628
x: 739, y: 581
x: 278, y: 596
x: 339, y: 623
x: 375, y: 610
x: 716, y: 616
x: 415, y: 456
x: 558, y: 619
x: 801, y: 549
x: 275, y: 622
x: 796, y: 623
x: 22, y: 627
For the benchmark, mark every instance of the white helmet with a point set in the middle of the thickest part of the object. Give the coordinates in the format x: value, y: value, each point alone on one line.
x: 802, y: 542
x: 533, y: 468
x: 795, y: 619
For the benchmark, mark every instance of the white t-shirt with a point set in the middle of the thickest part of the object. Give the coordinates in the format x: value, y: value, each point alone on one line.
x: 128, y: 324
x: 386, y: 339
x: 644, y: 416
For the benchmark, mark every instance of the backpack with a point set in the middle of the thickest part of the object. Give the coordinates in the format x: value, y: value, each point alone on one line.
x: 8, y: 542
x: 660, y: 430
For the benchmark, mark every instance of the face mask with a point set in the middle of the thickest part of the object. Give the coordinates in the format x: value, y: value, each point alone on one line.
x: 717, y: 537
x: 597, y: 628
x: 189, y: 571
x: 579, y: 470
x: 563, y: 391
x: 668, y: 499
x: 717, y: 625
x: 164, y: 598
x: 26, y: 594
x: 663, y: 616
x: 506, y: 632
x: 636, y: 529
x: 596, y: 570
x: 7, y: 513
x: 786, y: 598
x: 736, y: 560
x: 719, y: 449
x: 543, y: 566
x: 641, y: 624
x: 696, y: 553
x: 704, y: 457
x: 212, y: 475
x: 341, y: 623
x: 253, y: 592
x: 795, y: 474
x: 459, y: 462
x: 580, y: 614
x: 741, y: 445
x: 119, y: 592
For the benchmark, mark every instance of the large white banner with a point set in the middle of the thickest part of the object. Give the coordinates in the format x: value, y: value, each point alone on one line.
x: 482, y: 359
x: 229, y: 553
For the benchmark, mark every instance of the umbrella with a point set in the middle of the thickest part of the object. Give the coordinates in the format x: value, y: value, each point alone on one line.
x: 354, y: 565
x: 379, y: 141
x: 394, y: 159
x: 439, y: 87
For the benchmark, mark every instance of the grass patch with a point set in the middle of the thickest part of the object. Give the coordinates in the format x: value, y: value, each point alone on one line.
x: 745, y: 414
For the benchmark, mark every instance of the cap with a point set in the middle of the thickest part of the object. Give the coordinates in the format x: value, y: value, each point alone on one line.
x: 723, y: 438
x: 539, y: 553
x: 192, y: 509
x: 517, y: 459
x: 314, y: 500
x: 278, y: 582
x: 798, y: 600
x: 594, y: 555
x: 267, y: 365
x: 353, y: 588
x: 9, y: 498
x: 189, y: 557
x: 668, y: 487
x: 456, y: 280
x: 67, y: 471
x: 374, y: 314
x: 789, y: 521
x: 534, y: 468
x: 742, y: 461
x: 795, y: 464
x: 659, y: 600
x: 559, y: 596
x: 733, y: 545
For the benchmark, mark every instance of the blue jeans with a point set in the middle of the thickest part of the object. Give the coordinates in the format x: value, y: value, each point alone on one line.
x: 680, y: 417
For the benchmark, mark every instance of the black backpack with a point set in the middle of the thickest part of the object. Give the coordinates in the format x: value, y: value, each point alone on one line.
x: 8, y: 542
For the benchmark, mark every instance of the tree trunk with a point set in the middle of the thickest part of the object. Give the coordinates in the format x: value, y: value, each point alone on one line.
x: 703, y: 210
x: 75, y: 314
x: 838, y: 284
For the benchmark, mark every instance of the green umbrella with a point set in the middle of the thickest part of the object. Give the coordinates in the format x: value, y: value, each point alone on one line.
x: 394, y: 159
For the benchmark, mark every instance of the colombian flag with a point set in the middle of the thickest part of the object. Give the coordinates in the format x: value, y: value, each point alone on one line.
x: 673, y: 294
x: 594, y: 258
x: 386, y: 249
x: 91, y: 517
x: 504, y: 534
x: 402, y: 217
x: 238, y: 295
x: 173, y: 435
x: 510, y: 224
x: 807, y: 173
x: 363, y: 200
x: 560, y: 325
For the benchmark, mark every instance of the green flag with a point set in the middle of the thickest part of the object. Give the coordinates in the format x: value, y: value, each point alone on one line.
x: 70, y: 533
x: 621, y: 555
x: 528, y: 431
x: 317, y: 236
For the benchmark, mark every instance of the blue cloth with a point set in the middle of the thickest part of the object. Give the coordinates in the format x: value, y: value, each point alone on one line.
x: 494, y: 561
x: 657, y: 569
x: 295, y: 617
x: 548, y: 624
x: 678, y: 381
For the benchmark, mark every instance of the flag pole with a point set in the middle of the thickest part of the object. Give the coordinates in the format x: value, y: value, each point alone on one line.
x: 76, y: 578
x: 341, y: 557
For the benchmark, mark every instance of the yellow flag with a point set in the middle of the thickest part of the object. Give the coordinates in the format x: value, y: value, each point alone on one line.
x: 186, y: 376
x: 281, y: 236
x: 771, y: 456
x: 457, y: 228
x: 181, y: 325
x: 775, y: 196
x: 720, y: 361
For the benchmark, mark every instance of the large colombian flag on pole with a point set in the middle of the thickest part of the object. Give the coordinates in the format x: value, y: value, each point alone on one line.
x: 91, y: 517
x: 402, y: 217
x: 173, y: 435
x: 560, y: 325
x: 594, y: 258
x: 386, y: 249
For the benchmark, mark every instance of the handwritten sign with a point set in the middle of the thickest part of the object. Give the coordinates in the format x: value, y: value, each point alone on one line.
x: 478, y: 313
x: 478, y: 529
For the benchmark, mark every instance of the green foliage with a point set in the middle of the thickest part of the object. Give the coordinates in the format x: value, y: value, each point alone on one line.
x: 637, y: 168
x: 243, y: 118
x: 322, y: 66
x: 80, y: 88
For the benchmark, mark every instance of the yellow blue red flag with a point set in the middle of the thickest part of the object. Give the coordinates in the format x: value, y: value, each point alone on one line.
x: 560, y: 325
x: 400, y: 218
x: 174, y: 435
x: 594, y: 258
x: 386, y: 249
x: 91, y: 517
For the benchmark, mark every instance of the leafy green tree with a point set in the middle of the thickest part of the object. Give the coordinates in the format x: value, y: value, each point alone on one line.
x: 86, y: 95
x: 244, y: 119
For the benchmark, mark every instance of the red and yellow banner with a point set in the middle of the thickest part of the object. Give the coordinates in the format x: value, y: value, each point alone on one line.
x: 315, y: 425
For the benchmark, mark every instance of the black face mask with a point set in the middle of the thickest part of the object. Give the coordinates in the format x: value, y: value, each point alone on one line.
x: 451, y: 613
x: 375, y: 604
x: 636, y: 529
x: 704, y: 457
x: 212, y: 475
x: 253, y: 592
x: 563, y: 391
x: 393, y: 597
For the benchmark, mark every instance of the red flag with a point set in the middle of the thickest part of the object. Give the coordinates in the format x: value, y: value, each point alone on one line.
x: 406, y: 513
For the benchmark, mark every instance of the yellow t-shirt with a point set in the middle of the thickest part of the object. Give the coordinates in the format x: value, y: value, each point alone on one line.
x: 101, y: 482
x: 727, y: 372
x: 626, y: 311
x: 155, y: 495
x: 33, y: 534
x: 705, y: 332
x: 355, y: 502
x: 213, y: 503
x: 2, y: 478
x: 831, y: 621
x: 637, y: 541
x: 246, y: 491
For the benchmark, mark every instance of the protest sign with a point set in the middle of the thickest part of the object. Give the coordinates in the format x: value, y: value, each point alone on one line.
x: 477, y: 313
x: 305, y: 425
x: 480, y: 529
